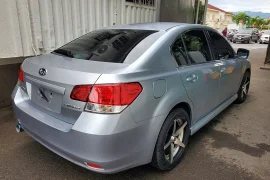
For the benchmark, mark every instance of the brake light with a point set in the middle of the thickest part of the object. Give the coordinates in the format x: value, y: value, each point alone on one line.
x: 107, y: 98
x: 21, y: 75
x: 81, y: 92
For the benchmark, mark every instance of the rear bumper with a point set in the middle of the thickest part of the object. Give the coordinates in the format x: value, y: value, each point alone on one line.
x: 264, y: 40
x: 113, y: 150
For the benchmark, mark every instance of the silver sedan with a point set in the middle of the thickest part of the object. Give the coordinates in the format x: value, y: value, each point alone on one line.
x: 129, y: 95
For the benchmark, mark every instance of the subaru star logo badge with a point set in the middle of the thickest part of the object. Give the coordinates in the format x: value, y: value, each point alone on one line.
x: 42, y: 71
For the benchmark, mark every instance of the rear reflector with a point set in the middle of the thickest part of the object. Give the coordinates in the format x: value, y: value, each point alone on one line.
x: 81, y: 92
x: 21, y: 75
x: 107, y: 98
x: 94, y: 166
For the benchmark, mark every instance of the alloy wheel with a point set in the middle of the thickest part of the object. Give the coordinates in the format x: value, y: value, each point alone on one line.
x: 174, y: 139
x: 245, y: 87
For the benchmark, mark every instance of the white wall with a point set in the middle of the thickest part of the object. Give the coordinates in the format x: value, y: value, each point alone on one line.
x: 30, y: 27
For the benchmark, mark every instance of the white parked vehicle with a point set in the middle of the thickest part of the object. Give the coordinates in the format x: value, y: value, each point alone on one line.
x: 265, y: 37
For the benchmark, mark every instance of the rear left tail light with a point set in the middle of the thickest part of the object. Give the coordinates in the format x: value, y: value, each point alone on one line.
x: 81, y: 92
x: 21, y: 75
x: 108, y: 98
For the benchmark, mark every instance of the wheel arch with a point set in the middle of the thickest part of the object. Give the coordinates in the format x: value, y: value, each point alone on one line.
x: 186, y: 107
x: 248, y: 70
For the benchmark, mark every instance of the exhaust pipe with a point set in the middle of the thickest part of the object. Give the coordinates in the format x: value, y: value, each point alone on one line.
x: 19, y: 128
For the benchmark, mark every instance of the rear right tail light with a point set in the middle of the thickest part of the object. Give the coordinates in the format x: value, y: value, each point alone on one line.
x: 21, y: 75
x: 109, y: 98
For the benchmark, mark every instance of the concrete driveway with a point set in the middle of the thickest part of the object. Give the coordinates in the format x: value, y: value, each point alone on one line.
x: 235, y: 145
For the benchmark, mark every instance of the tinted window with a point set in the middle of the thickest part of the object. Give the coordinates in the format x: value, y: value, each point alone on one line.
x: 197, y: 46
x: 221, y: 47
x: 179, y: 53
x: 106, y: 45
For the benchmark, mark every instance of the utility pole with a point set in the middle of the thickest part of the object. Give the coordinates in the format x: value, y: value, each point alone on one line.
x: 197, y: 11
x: 267, y: 58
x: 205, y: 11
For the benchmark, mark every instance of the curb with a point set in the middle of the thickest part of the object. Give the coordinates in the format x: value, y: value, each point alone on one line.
x: 265, y: 68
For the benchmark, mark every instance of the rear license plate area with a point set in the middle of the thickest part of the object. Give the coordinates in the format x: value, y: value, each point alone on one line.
x: 47, y: 99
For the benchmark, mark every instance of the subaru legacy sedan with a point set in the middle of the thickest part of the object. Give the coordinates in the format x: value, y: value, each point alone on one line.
x: 129, y: 95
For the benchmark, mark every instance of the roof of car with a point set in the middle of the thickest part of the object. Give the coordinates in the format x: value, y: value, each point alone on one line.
x: 158, y: 26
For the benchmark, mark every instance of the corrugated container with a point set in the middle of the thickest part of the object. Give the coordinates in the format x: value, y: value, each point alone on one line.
x: 33, y: 27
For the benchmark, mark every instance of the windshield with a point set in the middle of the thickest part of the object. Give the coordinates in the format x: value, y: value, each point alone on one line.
x: 105, y: 45
x: 267, y: 32
x: 245, y: 31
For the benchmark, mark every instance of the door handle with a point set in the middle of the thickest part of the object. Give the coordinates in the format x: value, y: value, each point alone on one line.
x: 192, y: 78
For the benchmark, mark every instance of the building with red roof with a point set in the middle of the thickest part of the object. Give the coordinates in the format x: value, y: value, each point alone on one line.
x: 218, y: 18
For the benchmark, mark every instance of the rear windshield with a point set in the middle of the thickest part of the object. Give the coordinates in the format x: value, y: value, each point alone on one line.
x: 105, y: 45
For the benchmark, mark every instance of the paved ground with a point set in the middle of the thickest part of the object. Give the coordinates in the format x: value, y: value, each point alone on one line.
x: 249, y: 46
x: 235, y: 145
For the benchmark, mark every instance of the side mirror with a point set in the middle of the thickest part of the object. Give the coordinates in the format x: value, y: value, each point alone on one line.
x: 242, y: 53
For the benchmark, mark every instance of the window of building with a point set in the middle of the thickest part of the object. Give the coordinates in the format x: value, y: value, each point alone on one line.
x: 196, y: 46
x: 143, y: 2
x: 179, y: 53
x: 221, y: 47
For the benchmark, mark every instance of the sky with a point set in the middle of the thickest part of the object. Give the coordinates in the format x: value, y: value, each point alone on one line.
x: 242, y: 5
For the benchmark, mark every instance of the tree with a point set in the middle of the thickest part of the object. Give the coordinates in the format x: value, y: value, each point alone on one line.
x: 251, y: 22
x: 254, y: 21
x: 201, y: 12
x: 258, y: 22
x: 266, y: 23
x: 241, y: 18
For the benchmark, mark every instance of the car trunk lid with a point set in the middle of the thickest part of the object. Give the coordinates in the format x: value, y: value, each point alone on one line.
x: 49, y: 80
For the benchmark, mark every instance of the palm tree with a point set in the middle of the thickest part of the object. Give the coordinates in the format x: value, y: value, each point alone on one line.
x: 266, y: 23
x: 259, y: 22
x: 241, y: 18
x: 251, y: 22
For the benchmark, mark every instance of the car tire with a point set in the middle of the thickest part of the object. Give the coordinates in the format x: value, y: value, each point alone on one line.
x: 256, y: 41
x: 243, y: 89
x: 260, y: 42
x: 234, y: 41
x: 168, y: 152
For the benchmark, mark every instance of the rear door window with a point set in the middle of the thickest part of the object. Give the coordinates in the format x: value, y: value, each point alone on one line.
x: 196, y: 46
x: 105, y: 45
